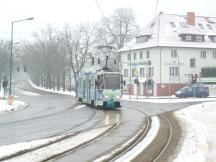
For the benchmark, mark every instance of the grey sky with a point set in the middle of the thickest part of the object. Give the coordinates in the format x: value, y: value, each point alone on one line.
x: 59, y: 12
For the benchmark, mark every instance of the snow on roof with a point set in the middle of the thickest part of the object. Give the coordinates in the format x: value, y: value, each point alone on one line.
x: 166, y: 29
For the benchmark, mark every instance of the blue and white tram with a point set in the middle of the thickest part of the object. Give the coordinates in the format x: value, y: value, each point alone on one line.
x: 101, y: 89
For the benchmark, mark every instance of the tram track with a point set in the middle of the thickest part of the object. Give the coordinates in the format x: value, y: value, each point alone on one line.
x: 168, y: 141
x: 66, y: 137
x: 154, y: 150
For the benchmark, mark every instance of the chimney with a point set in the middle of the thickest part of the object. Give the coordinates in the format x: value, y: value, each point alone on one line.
x: 191, y: 18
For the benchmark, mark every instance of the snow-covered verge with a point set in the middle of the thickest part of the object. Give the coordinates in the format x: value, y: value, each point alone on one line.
x: 167, y: 99
x: 9, y: 150
x: 72, y: 93
x: 49, y: 151
x: 6, y: 108
x: 198, y: 141
x: 130, y: 155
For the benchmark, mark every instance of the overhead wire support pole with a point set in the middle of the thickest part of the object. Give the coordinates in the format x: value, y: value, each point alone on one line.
x: 11, y: 59
x: 156, y: 8
x: 11, y: 54
x: 130, y: 76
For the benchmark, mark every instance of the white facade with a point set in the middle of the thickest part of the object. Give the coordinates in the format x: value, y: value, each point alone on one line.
x: 173, y: 56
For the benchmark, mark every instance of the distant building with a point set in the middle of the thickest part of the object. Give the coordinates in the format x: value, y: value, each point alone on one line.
x: 169, y: 54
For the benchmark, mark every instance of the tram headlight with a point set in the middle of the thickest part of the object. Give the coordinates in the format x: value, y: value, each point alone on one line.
x: 118, y: 97
x: 106, y: 97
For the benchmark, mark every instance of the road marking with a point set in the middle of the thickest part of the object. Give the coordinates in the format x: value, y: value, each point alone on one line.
x: 79, y: 107
x: 28, y: 93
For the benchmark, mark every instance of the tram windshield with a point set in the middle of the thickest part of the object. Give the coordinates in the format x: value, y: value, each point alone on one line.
x: 112, y: 81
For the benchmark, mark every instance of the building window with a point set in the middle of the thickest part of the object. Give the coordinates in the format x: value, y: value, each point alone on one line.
x: 135, y: 56
x: 201, y: 26
x: 203, y: 54
x: 128, y: 56
x: 98, y: 60
x: 125, y: 73
x: 172, y: 24
x: 133, y: 72
x: 199, y: 38
x: 209, y: 26
x: 173, y: 53
x: 150, y: 71
x: 142, y: 72
x: 141, y: 55
x: 92, y: 60
x: 147, y: 54
x: 214, y: 54
x: 114, y: 61
x: 183, y: 24
x: 192, y: 63
x: 174, y: 71
x: 188, y: 38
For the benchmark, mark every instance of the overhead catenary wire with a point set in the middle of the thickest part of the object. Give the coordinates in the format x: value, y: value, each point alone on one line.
x: 98, y: 5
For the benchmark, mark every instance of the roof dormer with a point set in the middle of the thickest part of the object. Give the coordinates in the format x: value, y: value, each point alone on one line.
x: 143, y: 38
x: 192, y: 37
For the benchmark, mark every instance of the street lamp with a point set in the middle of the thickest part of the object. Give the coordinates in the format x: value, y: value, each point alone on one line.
x: 11, y: 54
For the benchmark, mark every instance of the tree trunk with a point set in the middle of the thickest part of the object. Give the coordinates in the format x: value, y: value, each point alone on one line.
x: 53, y: 82
x: 63, y: 81
x: 70, y: 88
x: 58, y: 83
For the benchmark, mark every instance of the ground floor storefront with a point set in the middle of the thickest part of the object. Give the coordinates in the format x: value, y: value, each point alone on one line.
x: 154, y: 89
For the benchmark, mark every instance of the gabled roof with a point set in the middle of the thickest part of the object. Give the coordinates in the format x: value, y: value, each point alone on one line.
x: 165, y: 31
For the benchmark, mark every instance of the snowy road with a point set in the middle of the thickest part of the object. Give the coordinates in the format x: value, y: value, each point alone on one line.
x: 48, y: 115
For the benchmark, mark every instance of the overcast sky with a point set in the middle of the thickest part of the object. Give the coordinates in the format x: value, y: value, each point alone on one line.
x: 59, y: 12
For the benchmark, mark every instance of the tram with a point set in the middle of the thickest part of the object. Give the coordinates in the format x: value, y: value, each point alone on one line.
x: 101, y: 89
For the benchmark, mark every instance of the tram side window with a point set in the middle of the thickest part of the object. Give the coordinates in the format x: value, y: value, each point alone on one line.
x: 84, y: 84
x: 99, y: 82
x: 80, y: 83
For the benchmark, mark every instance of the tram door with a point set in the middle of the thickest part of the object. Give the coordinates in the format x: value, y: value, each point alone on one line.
x: 88, y: 86
x: 89, y: 90
x: 84, y: 88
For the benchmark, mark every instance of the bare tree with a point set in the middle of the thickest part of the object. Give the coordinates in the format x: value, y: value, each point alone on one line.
x: 78, y: 42
x: 46, y: 58
x: 119, y: 28
x: 4, y: 53
x: 115, y: 31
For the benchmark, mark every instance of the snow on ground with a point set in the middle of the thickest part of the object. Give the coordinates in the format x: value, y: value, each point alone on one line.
x: 72, y: 93
x: 5, y: 108
x: 43, y: 153
x: 199, y: 133
x: 166, y: 99
x: 198, y: 141
x: 28, y: 93
x: 8, y: 150
x: 129, y: 156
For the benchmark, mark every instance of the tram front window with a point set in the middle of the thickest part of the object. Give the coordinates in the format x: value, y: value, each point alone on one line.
x: 112, y: 81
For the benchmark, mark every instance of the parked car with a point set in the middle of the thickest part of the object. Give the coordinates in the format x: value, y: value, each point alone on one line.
x: 193, y: 91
